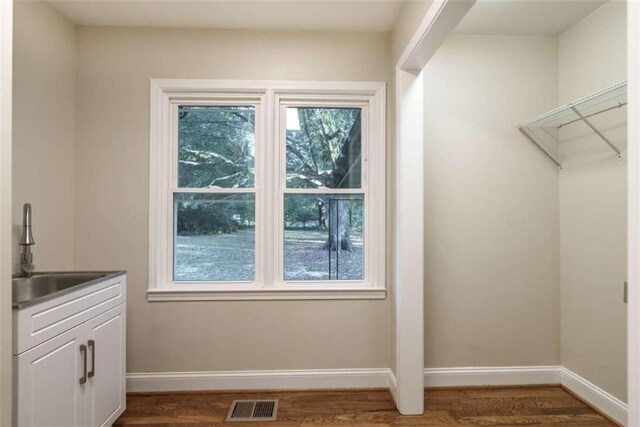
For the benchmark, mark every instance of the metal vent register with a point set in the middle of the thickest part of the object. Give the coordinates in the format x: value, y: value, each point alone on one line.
x: 253, y: 410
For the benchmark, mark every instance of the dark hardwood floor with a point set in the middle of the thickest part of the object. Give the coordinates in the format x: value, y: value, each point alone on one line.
x: 495, y: 406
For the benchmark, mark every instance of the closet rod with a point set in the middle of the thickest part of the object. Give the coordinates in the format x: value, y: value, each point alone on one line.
x: 620, y: 105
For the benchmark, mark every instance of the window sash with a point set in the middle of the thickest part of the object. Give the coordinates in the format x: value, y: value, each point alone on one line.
x: 216, y: 102
x: 219, y: 100
x: 335, y: 101
x: 280, y: 258
x: 173, y: 218
x: 366, y: 255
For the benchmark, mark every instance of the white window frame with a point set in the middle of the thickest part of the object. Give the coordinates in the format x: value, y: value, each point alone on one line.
x: 269, y: 98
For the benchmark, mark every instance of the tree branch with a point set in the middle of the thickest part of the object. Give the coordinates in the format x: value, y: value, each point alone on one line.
x: 209, y: 154
x: 300, y: 156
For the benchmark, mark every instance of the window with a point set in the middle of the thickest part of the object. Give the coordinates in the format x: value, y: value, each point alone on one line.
x: 214, y: 229
x: 263, y: 190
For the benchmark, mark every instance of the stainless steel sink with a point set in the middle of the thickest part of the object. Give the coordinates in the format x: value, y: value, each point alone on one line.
x: 44, y: 286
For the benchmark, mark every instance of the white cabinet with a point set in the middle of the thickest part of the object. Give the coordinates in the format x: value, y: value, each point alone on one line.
x: 77, y: 377
x: 49, y: 393
x: 105, y: 392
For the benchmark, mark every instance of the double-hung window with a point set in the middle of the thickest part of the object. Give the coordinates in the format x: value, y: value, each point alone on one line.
x: 266, y: 190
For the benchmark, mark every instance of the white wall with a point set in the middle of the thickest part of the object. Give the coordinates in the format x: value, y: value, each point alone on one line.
x: 44, y: 93
x: 42, y: 151
x: 115, y: 65
x: 491, y: 205
x: 593, y: 205
x: 410, y: 16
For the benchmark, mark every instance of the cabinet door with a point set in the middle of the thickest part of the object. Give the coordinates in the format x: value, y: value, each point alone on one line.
x: 48, y: 389
x: 105, y: 392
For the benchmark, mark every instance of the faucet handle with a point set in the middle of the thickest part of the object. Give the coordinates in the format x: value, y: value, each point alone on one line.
x: 27, y: 237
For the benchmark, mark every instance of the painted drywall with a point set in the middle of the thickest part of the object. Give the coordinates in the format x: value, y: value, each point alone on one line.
x: 491, y: 205
x: 409, y: 18
x: 6, y: 68
x: 44, y: 93
x: 410, y: 15
x: 112, y: 157
x: 593, y: 206
x: 633, y: 202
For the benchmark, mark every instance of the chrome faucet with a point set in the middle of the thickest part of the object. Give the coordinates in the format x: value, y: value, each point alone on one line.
x: 26, y: 241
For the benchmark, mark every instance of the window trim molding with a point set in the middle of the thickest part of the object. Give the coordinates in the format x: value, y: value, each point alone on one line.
x: 165, y: 92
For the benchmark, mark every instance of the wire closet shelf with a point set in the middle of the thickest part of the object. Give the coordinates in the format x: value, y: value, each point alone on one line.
x: 545, y: 127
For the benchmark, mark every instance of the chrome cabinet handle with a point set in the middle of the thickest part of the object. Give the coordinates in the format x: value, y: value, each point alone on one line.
x: 92, y: 346
x: 83, y: 350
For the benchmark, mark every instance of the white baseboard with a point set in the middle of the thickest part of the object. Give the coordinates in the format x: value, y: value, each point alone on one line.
x: 529, y: 375
x: 393, y: 386
x: 594, y: 395
x: 259, y: 380
x: 378, y: 378
x: 510, y: 375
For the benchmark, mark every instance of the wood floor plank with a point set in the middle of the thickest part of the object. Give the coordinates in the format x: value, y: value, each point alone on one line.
x: 480, y: 406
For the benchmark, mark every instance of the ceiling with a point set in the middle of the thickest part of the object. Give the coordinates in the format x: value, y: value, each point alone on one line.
x: 518, y: 17
x: 299, y: 15
x: 525, y: 17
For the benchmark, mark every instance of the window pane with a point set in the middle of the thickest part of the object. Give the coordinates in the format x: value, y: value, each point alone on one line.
x: 216, y: 146
x: 214, y: 238
x: 323, y: 147
x: 323, y: 237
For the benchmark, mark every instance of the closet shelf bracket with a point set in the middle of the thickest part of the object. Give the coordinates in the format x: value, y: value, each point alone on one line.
x: 541, y: 147
x: 595, y: 129
x: 544, y: 130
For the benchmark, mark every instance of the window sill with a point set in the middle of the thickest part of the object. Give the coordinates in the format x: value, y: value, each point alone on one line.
x: 260, y: 294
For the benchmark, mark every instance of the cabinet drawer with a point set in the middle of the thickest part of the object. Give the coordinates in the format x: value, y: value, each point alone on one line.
x: 42, y: 322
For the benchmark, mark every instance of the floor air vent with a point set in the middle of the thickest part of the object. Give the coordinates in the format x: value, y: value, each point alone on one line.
x: 253, y: 410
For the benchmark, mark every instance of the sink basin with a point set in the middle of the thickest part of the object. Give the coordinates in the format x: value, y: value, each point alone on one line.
x: 40, y: 287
